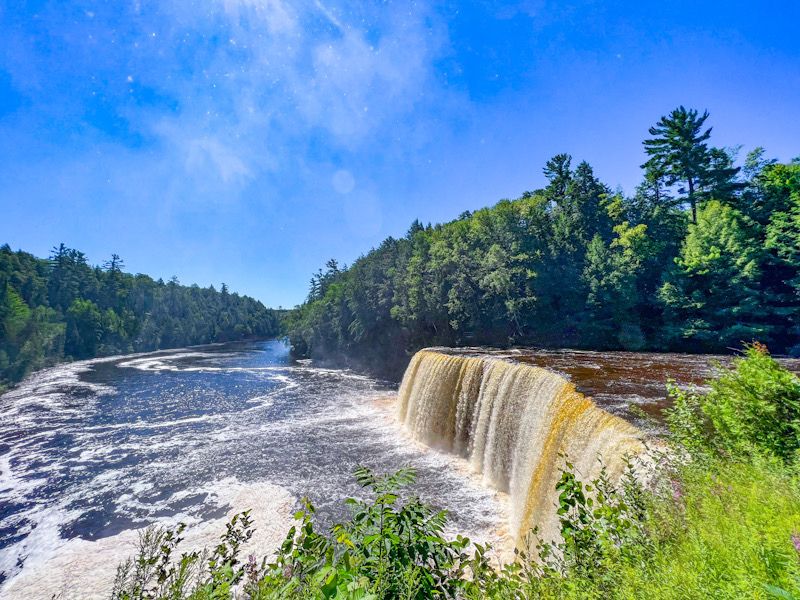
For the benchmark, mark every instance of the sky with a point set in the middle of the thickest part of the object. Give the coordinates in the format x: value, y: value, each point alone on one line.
x: 249, y: 141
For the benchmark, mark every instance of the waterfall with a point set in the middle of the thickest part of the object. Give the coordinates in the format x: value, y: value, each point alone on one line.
x: 513, y: 422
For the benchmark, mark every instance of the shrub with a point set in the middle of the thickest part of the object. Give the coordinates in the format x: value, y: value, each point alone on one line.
x: 752, y: 408
x: 388, y: 549
x: 154, y: 575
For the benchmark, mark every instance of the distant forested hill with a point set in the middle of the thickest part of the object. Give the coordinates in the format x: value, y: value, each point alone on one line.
x: 705, y: 255
x: 62, y: 308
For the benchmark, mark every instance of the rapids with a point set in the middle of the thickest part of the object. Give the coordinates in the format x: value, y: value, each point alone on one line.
x: 92, y: 452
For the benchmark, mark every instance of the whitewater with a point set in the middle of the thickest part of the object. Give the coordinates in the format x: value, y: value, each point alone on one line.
x: 93, y: 452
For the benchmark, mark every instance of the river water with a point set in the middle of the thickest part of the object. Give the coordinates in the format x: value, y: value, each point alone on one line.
x: 92, y: 452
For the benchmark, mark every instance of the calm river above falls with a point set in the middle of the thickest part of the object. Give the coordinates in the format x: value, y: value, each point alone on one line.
x: 91, y: 452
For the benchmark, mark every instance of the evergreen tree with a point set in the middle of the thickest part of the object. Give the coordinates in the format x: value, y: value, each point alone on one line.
x: 559, y: 174
x: 712, y: 294
x: 679, y: 153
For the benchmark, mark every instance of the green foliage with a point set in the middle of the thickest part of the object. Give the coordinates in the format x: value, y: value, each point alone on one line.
x: 601, y: 525
x: 603, y: 531
x: 575, y: 265
x: 28, y: 338
x: 751, y: 410
x: 85, y: 328
x: 712, y: 295
x: 155, y: 575
x: 389, y: 549
x: 62, y: 308
x: 611, y: 274
x: 720, y: 530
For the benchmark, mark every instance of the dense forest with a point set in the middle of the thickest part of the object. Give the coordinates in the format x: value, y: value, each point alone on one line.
x: 704, y: 255
x: 62, y: 308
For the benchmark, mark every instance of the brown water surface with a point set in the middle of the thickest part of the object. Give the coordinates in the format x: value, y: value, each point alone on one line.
x: 629, y: 384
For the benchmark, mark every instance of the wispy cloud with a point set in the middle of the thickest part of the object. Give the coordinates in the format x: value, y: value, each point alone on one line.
x: 288, y: 73
x: 276, y: 14
x: 249, y: 87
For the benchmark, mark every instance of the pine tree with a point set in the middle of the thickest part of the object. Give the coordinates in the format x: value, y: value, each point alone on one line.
x: 559, y: 174
x: 711, y: 297
x: 679, y: 153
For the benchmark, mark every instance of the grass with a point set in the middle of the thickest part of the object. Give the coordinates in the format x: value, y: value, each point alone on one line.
x: 729, y: 531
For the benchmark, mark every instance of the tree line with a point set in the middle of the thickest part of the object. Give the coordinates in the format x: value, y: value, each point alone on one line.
x: 62, y: 308
x: 703, y: 256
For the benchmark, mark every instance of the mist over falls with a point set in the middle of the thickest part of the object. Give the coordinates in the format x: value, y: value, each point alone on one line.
x: 514, y: 423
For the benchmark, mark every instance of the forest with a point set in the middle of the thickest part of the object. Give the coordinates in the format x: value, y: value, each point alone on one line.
x: 703, y: 256
x: 62, y: 308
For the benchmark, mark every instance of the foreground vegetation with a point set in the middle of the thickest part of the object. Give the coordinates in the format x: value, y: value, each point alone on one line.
x: 704, y: 255
x: 62, y: 308
x: 719, y: 518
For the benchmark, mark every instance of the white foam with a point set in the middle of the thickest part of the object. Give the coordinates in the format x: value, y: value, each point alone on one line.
x: 164, y: 362
x: 84, y: 570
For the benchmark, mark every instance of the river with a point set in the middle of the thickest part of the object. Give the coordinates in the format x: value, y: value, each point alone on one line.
x: 92, y: 452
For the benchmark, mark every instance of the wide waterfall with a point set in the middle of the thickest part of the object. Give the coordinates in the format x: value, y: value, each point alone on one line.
x: 514, y: 423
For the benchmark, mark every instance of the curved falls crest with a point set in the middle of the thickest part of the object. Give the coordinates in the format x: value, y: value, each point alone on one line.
x: 513, y: 422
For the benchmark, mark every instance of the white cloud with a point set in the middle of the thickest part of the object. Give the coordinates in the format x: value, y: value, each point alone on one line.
x: 356, y: 87
x: 201, y: 152
x: 277, y: 15
x: 297, y: 75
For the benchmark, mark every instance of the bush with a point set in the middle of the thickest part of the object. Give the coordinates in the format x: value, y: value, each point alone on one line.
x: 389, y: 549
x: 753, y: 408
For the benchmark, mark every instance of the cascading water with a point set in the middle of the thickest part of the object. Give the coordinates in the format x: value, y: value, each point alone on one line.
x: 514, y: 423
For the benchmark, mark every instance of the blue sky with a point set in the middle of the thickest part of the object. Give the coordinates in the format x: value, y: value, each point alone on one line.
x: 248, y: 141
